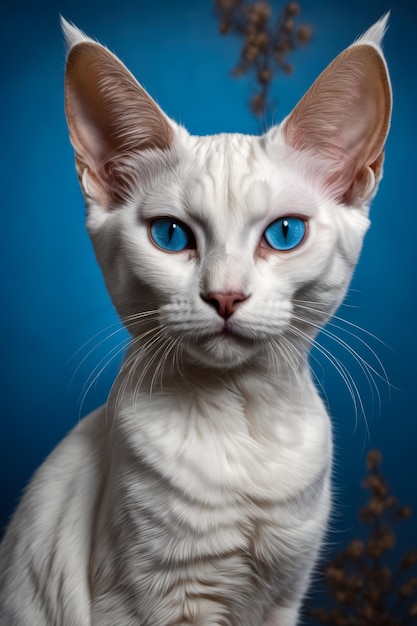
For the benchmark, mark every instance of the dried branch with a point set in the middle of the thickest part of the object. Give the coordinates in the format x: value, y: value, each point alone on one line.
x: 267, y: 42
x: 364, y: 590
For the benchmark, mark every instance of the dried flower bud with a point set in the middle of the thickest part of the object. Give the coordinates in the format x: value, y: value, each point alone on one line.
x: 403, y: 512
x: 321, y: 615
x: 341, y: 596
x: 226, y: 5
x: 264, y: 76
x: 264, y: 10
x: 374, y: 457
x: 382, y: 575
x: 239, y: 70
x: 258, y: 13
x: 335, y: 574
x: 354, y: 582
x: 365, y: 515
x: 224, y: 27
x: 375, y: 548
x: 250, y: 32
x: 408, y: 588
x: 250, y: 53
x: 304, y: 33
x: 355, y: 549
x: 376, y: 506
x: 292, y: 8
x: 388, y: 539
x: 257, y: 104
x: 377, y: 484
x: 288, y: 26
x: 369, y: 612
x: 283, y: 46
x: 262, y: 40
x: 409, y: 560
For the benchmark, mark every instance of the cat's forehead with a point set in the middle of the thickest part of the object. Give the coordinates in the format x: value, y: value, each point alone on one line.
x: 229, y: 173
x: 231, y: 155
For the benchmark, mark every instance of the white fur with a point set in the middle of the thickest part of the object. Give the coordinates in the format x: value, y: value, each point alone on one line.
x: 200, y: 493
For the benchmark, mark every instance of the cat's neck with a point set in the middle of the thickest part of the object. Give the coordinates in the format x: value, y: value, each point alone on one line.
x: 175, y: 373
x: 141, y: 379
x: 249, y: 419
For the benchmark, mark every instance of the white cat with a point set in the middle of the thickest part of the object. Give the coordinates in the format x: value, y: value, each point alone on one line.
x: 200, y: 493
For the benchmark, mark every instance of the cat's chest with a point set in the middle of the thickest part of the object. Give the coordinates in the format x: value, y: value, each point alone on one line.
x: 212, y: 499
x: 201, y: 540
x: 259, y: 446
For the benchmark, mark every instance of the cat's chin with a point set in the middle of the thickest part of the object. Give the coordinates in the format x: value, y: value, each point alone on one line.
x: 222, y: 353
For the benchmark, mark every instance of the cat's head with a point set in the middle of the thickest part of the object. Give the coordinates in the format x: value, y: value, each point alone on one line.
x: 227, y: 246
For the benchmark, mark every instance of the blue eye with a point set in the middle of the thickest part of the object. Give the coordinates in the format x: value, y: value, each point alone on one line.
x: 170, y: 235
x: 286, y: 233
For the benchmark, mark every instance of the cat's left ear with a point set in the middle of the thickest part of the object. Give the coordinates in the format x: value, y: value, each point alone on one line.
x: 343, y: 120
x: 111, y: 118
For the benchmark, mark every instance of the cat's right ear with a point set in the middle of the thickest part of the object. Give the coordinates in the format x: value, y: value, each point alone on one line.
x: 111, y: 118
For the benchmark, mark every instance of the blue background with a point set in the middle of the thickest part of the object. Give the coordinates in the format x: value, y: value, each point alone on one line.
x: 57, y: 323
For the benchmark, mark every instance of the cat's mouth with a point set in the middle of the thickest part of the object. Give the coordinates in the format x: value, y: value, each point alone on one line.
x: 228, y: 333
x: 227, y: 346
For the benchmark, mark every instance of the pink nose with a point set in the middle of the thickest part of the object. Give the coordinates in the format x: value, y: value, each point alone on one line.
x: 224, y: 303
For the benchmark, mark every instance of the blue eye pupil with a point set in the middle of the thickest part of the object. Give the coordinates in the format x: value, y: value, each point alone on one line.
x: 171, y: 231
x: 286, y: 233
x: 283, y: 234
x: 169, y: 235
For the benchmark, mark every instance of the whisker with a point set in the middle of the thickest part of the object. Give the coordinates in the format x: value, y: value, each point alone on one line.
x: 112, y: 354
x: 99, y: 369
x: 178, y: 363
x: 370, y: 371
x: 281, y: 351
x: 160, y: 338
x: 159, y: 370
x: 108, y: 337
x: 95, y: 347
x: 343, y: 373
x: 127, y: 370
x: 367, y: 368
x: 300, y: 303
x: 293, y: 362
x: 118, y: 350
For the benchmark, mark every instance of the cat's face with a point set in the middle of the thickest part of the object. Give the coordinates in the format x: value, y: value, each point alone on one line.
x: 203, y: 244
x: 225, y: 247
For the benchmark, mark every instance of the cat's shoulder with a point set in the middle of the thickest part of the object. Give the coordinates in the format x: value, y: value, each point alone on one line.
x: 49, y: 537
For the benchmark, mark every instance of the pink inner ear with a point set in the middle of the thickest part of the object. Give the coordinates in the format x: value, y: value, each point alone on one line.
x: 110, y: 116
x: 344, y: 117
